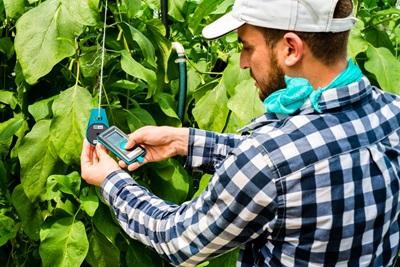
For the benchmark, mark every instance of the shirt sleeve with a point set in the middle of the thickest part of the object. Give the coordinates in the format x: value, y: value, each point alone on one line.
x: 206, y: 149
x: 237, y: 206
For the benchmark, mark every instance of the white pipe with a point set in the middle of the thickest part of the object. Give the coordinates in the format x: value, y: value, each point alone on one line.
x: 179, y: 48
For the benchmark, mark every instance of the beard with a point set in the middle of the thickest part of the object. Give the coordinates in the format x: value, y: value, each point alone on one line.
x: 274, y: 81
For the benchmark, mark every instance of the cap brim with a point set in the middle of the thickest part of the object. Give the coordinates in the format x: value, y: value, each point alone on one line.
x: 221, y: 26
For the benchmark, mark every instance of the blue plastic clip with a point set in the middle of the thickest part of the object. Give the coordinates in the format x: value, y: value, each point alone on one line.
x: 98, y: 123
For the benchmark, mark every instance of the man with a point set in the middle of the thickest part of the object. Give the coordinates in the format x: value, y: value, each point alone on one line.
x: 312, y: 182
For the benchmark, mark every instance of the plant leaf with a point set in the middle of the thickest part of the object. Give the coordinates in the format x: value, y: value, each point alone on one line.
x: 170, y: 182
x: 7, y: 47
x: 69, y: 184
x: 63, y: 243
x: 145, y: 45
x: 71, y: 113
x: 138, y: 117
x: 135, y: 69
x: 105, y: 224
x: 167, y: 103
x: 139, y: 255
x: 385, y: 67
x: 357, y: 43
x: 37, y: 158
x: 14, y: 8
x: 89, y: 201
x: 28, y: 212
x: 132, y: 7
x: 245, y: 103
x: 10, y: 127
x: 102, y: 253
x: 7, y: 229
x: 46, y: 35
x: 41, y: 109
x: 211, y: 111
x: 203, y: 10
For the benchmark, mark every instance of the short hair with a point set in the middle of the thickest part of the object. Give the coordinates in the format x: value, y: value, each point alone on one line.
x: 328, y: 47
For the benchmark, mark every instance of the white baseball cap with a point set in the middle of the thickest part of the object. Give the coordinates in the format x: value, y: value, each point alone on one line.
x: 292, y: 15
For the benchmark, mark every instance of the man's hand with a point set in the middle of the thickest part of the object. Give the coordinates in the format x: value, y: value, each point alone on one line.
x: 160, y: 143
x: 96, y: 164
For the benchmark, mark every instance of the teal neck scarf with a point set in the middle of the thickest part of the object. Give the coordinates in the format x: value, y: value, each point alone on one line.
x: 298, y: 90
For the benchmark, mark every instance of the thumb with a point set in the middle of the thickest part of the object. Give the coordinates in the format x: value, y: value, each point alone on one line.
x: 140, y: 136
x: 101, y: 152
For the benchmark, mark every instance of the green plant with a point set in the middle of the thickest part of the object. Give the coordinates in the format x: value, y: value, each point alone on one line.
x: 50, y: 64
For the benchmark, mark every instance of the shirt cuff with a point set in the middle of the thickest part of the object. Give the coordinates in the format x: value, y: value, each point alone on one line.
x: 200, y: 148
x: 113, y: 184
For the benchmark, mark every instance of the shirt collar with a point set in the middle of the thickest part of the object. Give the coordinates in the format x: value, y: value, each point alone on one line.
x: 330, y: 99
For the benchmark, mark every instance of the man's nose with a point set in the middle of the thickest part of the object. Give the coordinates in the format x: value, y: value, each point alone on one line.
x: 244, y: 62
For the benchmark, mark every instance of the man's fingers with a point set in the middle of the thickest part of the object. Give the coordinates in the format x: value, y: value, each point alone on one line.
x: 138, y: 137
x: 131, y: 141
x: 101, y: 151
x: 87, y: 153
x: 122, y: 164
x: 134, y: 166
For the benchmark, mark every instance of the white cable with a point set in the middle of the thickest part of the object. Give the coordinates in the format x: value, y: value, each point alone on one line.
x: 102, y: 60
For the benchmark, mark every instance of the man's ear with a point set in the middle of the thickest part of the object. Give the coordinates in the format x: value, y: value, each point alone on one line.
x: 294, y: 49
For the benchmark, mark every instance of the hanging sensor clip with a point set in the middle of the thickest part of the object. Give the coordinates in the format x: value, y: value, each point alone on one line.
x: 97, y: 124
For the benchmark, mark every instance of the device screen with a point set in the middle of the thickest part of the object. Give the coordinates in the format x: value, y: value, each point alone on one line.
x: 116, y: 139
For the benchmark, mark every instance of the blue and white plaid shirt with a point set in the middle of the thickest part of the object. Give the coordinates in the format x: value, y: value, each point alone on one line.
x: 303, y: 190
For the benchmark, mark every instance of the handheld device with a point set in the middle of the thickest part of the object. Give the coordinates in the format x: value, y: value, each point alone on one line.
x: 115, y: 140
x: 97, y: 124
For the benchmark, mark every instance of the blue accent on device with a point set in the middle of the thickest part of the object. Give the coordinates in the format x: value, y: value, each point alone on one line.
x: 97, y: 124
x: 115, y: 141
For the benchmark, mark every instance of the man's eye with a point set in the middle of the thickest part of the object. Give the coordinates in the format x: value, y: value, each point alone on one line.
x: 247, y: 48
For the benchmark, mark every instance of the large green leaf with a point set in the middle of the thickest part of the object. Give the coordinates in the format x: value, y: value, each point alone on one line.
x: 105, y: 224
x: 89, y: 200
x: 10, y: 127
x: 211, y: 110
x: 233, y: 74
x: 245, y: 104
x: 135, y: 69
x: 8, y: 229
x: 46, y: 34
x: 145, y: 45
x: 102, y: 253
x: 63, y: 243
x: 14, y: 8
x: 41, y: 109
x: 8, y: 98
x: 167, y: 104
x: 157, y: 32
x: 37, y: 158
x: 357, y: 43
x: 202, y: 184
x: 71, y: 112
x: 137, y: 118
x: 226, y: 260
x: 385, y: 67
x: 131, y: 7
x: 69, y: 184
x: 139, y: 255
x: 28, y: 212
x: 7, y: 47
x: 203, y: 10
x: 170, y: 181
x: 176, y: 9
